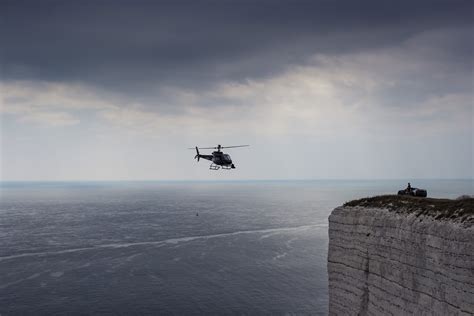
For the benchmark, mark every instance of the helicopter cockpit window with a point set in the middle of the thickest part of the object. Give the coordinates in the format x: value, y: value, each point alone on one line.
x: 227, y: 157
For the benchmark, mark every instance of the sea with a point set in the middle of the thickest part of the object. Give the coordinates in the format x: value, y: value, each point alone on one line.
x: 175, y: 247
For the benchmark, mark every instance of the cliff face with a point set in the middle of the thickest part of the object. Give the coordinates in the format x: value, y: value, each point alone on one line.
x: 388, y: 255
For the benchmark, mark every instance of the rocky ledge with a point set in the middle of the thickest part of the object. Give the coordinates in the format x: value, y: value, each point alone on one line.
x: 402, y: 255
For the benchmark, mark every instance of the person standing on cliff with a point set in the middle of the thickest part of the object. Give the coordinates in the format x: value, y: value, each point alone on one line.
x: 408, y: 189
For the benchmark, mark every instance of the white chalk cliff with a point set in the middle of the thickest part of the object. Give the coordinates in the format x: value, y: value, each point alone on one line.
x: 388, y: 259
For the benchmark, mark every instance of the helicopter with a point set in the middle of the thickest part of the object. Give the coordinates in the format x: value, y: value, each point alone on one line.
x: 218, y: 158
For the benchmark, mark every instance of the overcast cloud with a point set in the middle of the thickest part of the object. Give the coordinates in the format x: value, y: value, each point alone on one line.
x: 320, y: 89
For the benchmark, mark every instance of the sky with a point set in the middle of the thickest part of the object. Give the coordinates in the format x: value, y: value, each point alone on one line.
x: 118, y: 90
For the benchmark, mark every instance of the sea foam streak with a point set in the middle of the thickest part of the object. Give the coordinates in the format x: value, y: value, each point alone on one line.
x: 161, y: 242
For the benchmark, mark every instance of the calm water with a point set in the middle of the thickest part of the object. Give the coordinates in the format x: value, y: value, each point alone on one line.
x: 174, y: 247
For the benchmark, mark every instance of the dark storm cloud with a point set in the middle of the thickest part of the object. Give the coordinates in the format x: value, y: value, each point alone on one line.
x: 133, y: 45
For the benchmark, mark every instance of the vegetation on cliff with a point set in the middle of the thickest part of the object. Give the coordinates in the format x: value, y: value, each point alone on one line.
x: 461, y: 210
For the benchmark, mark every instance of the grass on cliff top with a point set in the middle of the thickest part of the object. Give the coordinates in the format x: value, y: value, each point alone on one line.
x: 460, y: 210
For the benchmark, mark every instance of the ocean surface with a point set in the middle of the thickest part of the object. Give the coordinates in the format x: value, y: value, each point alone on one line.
x: 243, y: 248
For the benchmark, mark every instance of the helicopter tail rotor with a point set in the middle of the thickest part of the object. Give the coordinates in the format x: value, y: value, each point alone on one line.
x: 197, y: 154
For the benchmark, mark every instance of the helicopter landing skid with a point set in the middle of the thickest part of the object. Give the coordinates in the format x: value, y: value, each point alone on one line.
x: 226, y: 167
x: 214, y: 167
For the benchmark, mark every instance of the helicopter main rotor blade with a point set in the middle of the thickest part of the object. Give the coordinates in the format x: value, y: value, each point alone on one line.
x: 220, y: 147
x: 235, y: 146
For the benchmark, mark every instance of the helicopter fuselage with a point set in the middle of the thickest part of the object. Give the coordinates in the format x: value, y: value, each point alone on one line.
x: 221, y: 159
x: 218, y: 158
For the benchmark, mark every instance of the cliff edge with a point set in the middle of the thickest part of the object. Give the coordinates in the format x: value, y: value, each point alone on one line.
x: 402, y: 255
